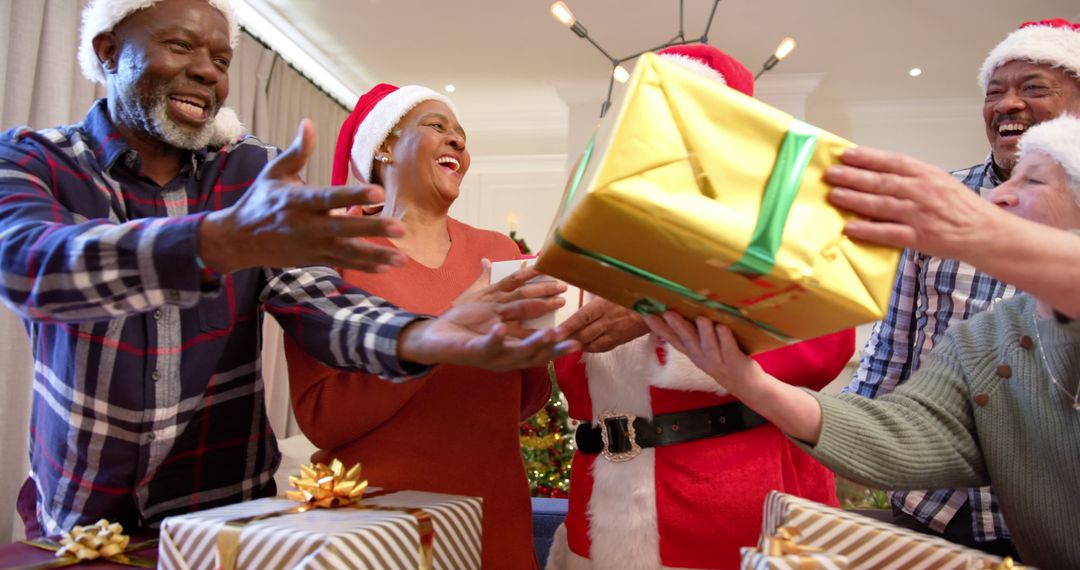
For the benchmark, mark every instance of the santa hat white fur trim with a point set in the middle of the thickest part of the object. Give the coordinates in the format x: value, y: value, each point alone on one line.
x: 378, y: 123
x: 693, y: 64
x: 227, y: 127
x: 102, y: 16
x: 1060, y: 140
x: 1056, y: 47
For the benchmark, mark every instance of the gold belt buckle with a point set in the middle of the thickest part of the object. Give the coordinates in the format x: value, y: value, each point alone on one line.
x: 635, y: 449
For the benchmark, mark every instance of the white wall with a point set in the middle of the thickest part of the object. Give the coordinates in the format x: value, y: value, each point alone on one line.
x: 947, y: 133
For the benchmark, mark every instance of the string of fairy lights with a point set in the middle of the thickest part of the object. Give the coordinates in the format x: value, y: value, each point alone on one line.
x: 619, y: 73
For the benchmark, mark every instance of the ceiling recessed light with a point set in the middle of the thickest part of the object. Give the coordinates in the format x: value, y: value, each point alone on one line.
x: 914, y: 72
x: 450, y: 88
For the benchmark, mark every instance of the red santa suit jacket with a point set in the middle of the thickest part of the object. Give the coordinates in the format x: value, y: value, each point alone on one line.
x: 685, y: 505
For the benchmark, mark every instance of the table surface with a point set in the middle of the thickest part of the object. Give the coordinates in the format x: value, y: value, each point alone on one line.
x: 17, y: 554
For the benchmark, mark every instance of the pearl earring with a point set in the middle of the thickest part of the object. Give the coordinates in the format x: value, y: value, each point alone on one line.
x: 383, y: 158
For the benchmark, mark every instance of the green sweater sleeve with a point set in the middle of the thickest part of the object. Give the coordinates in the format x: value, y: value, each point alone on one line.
x: 922, y: 436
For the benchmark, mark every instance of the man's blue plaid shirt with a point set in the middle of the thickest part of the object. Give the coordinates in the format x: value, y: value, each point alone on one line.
x: 929, y: 295
x: 148, y: 397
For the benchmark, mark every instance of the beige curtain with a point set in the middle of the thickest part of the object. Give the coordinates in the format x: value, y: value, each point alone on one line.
x: 42, y: 87
x: 271, y: 99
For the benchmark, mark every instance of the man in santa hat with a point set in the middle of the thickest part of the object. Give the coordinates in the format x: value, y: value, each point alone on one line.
x: 139, y: 248
x: 1032, y: 76
x: 671, y: 471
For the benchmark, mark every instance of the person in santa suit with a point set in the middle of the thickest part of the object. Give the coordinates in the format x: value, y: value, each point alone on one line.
x: 686, y: 491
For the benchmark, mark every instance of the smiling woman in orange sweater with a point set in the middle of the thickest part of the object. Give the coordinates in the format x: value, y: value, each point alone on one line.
x: 455, y: 430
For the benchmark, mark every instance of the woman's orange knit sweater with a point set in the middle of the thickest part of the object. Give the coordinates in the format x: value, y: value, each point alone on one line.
x: 452, y: 431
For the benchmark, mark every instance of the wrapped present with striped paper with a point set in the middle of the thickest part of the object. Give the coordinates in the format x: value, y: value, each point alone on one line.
x: 402, y: 529
x: 866, y: 543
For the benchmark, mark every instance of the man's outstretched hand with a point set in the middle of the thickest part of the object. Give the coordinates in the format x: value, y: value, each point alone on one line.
x: 475, y: 334
x: 909, y: 203
x: 601, y: 325
x: 282, y: 222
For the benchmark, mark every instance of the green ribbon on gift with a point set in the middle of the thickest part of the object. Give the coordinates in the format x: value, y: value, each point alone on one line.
x: 783, y: 185
x: 651, y: 306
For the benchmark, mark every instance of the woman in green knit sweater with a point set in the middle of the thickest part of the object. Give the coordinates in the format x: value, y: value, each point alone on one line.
x: 995, y: 403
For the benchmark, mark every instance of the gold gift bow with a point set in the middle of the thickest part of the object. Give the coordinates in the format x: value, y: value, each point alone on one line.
x: 1006, y: 564
x: 783, y: 543
x: 329, y: 487
x: 100, y: 541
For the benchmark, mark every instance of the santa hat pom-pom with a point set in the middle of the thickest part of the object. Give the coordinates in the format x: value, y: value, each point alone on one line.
x: 227, y: 127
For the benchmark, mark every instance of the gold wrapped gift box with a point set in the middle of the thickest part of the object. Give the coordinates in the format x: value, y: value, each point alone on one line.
x: 867, y: 544
x: 700, y: 199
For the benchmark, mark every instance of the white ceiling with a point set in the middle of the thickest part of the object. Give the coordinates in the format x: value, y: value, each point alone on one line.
x: 864, y: 48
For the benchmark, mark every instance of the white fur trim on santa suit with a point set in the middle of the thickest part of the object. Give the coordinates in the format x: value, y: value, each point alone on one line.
x: 101, y: 16
x: 622, y: 510
x: 623, y: 524
x: 693, y: 64
x: 382, y: 118
x: 1056, y: 47
x: 560, y: 557
x: 1060, y: 140
x: 679, y: 373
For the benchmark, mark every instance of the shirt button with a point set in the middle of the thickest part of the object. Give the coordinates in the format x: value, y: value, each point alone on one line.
x: 157, y: 315
x: 1025, y: 342
x: 156, y: 375
x: 1003, y: 370
x: 982, y: 398
x: 150, y: 437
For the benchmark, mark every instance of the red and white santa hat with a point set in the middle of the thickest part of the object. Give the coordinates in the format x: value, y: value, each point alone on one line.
x: 101, y: 16
x: 1053, y: 42
x: 375, y: 115
x: 1060, y: 140
x: 711, y: 62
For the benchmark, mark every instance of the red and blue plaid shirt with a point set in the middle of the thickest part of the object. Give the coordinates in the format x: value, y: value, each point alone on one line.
x: 148, y: 397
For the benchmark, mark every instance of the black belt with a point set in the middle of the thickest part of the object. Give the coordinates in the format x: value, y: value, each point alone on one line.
x: 620, y: 437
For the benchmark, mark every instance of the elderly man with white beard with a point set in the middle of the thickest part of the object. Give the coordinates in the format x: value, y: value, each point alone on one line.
x: 141, y: 248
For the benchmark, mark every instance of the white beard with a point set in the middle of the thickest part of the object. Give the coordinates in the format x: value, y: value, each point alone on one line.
x: 148, y: 113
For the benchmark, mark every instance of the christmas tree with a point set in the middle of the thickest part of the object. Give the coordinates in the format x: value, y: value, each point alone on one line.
x: 547, y: 446
x: 520, y: 241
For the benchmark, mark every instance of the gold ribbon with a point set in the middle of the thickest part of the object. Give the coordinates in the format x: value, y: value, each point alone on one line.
x: 322, y: 486
x: 783, y: 542
x: 100, y: 541
x: 1006, y: 564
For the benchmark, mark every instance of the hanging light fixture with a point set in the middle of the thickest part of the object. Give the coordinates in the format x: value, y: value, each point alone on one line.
x: 782, y: 51
x: 561, y: 12
x: 620, y: 74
